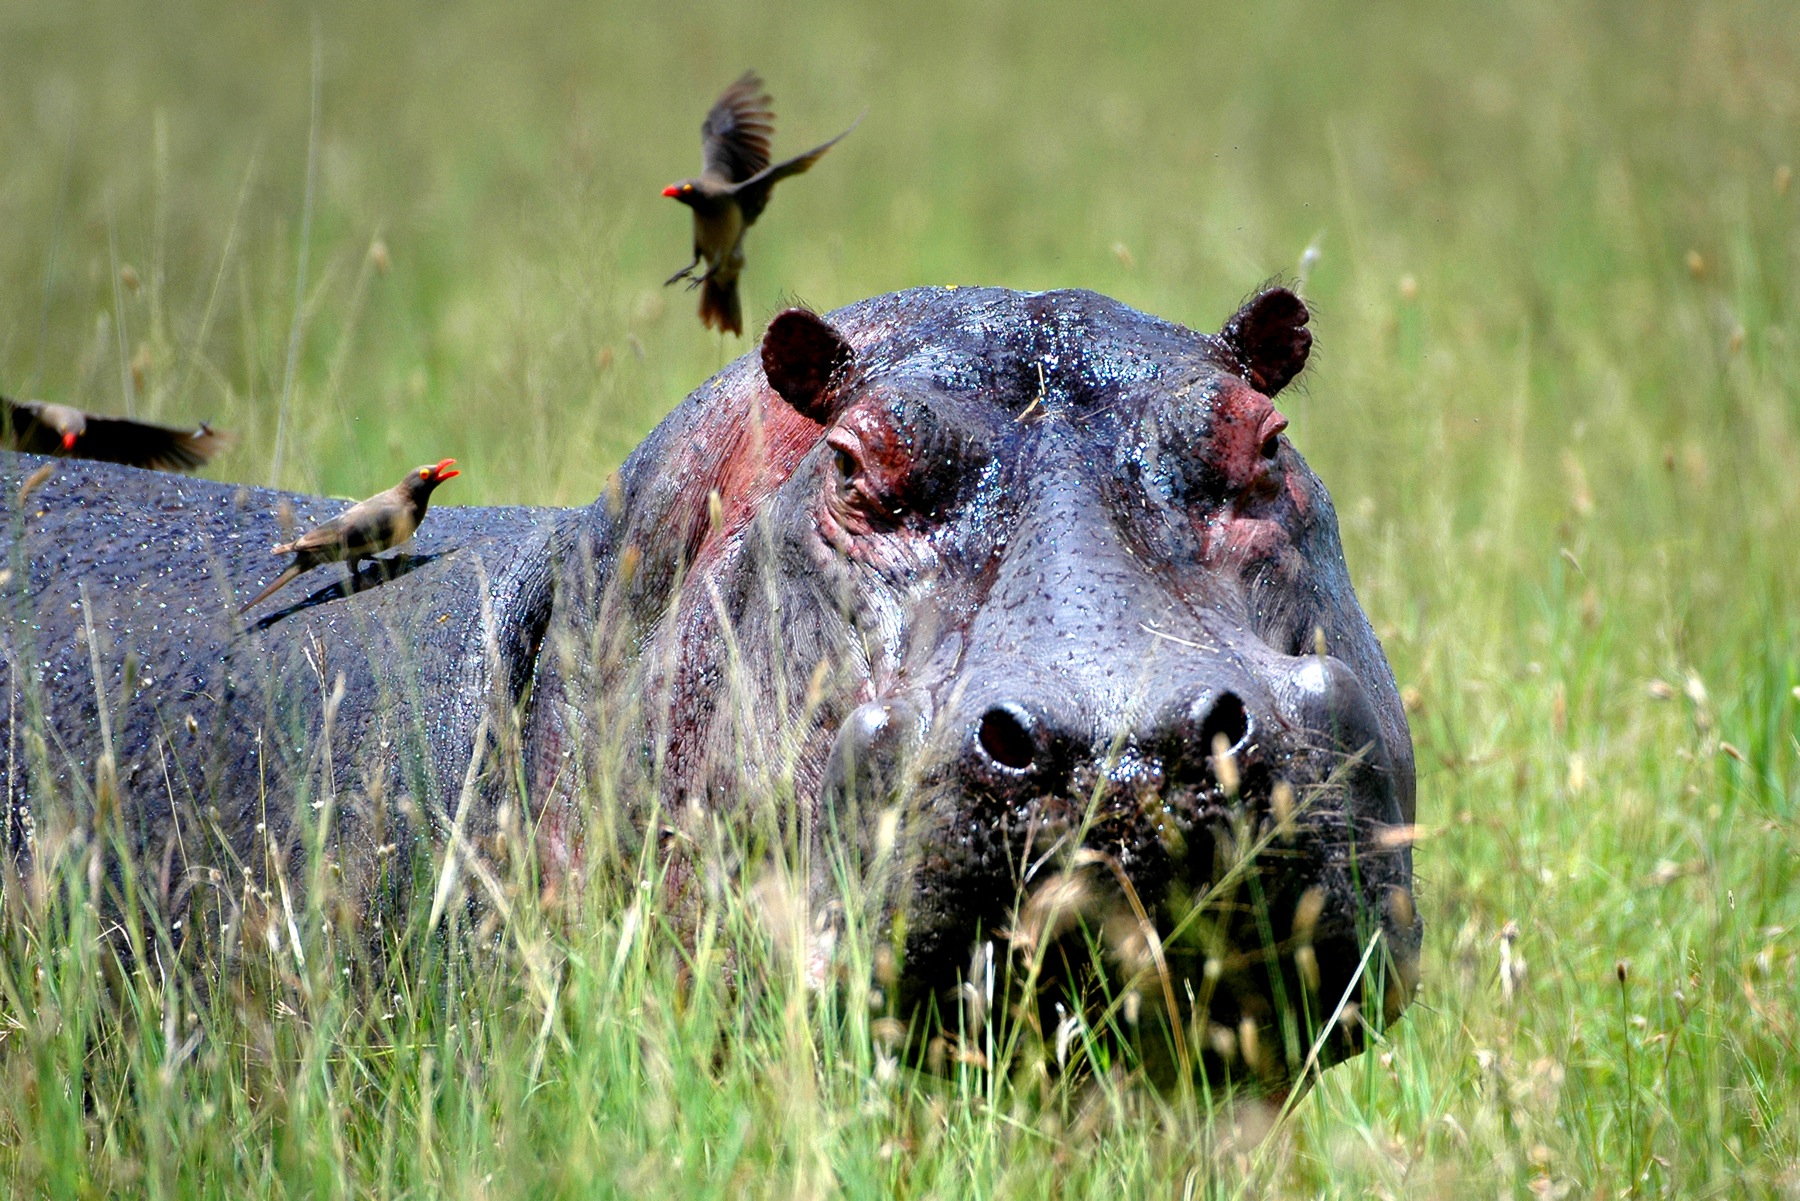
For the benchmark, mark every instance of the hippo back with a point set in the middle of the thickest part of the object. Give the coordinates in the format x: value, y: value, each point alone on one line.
x: 131, y: 677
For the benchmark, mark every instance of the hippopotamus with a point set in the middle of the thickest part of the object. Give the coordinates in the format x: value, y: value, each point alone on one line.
x: 1018, y: 611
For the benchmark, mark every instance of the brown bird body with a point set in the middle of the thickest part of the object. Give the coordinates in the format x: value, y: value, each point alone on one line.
x: 366, y: 528
x: 41, y: 428
x: 731, y: 193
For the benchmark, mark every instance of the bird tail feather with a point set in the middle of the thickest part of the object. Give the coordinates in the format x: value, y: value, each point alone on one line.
x: 719, y: 307
x: 280, y: 582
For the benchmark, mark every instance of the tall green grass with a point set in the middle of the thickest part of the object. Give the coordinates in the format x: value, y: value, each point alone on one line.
x: 1554, y: 397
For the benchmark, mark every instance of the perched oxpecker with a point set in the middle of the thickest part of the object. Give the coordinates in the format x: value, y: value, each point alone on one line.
x: 366, y: 528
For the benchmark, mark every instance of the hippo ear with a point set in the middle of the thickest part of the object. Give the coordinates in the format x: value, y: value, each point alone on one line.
x: 805, y: 360
x: 1269, y: 339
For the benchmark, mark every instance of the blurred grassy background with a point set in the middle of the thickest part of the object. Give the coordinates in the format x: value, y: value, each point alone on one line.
x: 1555, y: 397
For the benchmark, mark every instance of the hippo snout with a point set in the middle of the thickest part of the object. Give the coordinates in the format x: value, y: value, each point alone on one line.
x: 1242, y: 820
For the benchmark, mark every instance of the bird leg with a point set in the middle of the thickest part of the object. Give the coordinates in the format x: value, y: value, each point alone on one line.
x: 686, y: 273
x: 694, y: 281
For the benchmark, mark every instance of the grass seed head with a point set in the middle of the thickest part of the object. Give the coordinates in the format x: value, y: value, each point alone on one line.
x: 886, y: 967
x: 1129, y: 943
x: 1225, y: 765
x: 815, y: 684
x: 1400, y: 907
x: 33, y: 482
x: 1281, y: 802
x: 630, y: 559
x: 1052, y: 910
x: 1512, y: 965
x: 106, y: 789
x: 1067, y: 1027
x: 1306, y: 963
x: 1578, y: 777
x: 888, y: 1032
x: 1306, y: 914
x: 1251, y: 1046
x: 1398, y: 838
x: 887, y: 833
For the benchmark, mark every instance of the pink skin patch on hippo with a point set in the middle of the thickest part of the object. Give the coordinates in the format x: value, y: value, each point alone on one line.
x: 868, y: 504
x: 742, y: 454
x: 873, y: 463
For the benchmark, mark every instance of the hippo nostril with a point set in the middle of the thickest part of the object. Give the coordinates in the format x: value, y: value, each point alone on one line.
x: 1228, y: 720
x: 1005, y: 735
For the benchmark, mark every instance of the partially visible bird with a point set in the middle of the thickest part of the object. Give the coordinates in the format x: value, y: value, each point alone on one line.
x: 731, y: 192
x: 366, y: 528
x: 41, y: 428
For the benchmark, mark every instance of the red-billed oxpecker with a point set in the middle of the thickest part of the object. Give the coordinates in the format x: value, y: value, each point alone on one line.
x: 731, y: 192
x: 366, y: 528
x: 41, y: 428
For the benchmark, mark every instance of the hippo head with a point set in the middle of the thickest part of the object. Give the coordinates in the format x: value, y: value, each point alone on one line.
x: 1083, y: 663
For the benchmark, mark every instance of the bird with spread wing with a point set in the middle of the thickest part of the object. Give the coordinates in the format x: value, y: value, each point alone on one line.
x: 731, y: 192
x: 41, y: 428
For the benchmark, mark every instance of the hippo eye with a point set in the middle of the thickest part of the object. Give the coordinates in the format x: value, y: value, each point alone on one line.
x: 846, y: 463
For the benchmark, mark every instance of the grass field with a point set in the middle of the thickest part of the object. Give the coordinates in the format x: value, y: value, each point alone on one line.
x: 1556, y: 397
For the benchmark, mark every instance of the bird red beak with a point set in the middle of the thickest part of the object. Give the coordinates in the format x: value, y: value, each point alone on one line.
x: 439, y: 475
x: 69, y: 441
x: 672, y: 191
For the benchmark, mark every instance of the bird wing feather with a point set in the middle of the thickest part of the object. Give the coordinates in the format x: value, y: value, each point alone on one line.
x: 736, y: 132
x: 327, y: 535
x: 753, y: 193
x: 365, y: 528
x: 145, y: 444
